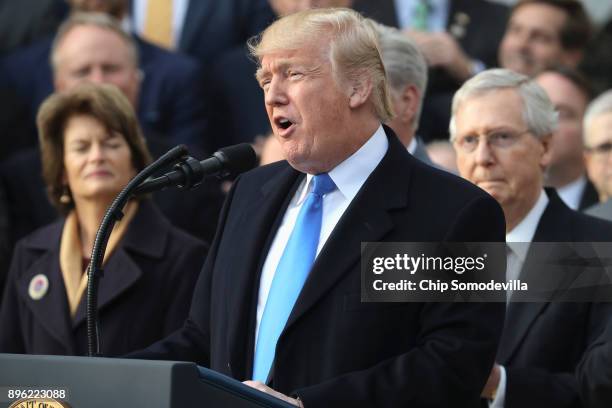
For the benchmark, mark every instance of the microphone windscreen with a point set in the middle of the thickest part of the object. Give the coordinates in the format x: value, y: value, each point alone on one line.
x: 238, y: 158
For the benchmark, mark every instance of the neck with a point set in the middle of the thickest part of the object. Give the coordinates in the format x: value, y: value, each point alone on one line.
x: 359, y: 133
x: 407, y: 136
x: 560, y: 177
x: 515, y: 213
x: 90, y: 214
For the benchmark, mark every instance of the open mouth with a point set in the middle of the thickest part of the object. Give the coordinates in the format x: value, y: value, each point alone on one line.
x: 283, y: 123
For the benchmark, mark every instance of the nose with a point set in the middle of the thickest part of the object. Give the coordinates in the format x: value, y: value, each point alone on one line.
x: 275, y: 93
x: 483, y: 155
x: 96, y: 76
x: 96, y: 153
x: 520, y: 40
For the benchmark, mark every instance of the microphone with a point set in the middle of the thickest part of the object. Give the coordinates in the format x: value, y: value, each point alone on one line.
x: 231, y: 160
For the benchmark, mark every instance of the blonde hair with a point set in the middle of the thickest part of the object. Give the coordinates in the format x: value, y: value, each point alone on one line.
x: 353, y: 50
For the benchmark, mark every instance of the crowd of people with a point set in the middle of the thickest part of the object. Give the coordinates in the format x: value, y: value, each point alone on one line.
x: 375, y: 120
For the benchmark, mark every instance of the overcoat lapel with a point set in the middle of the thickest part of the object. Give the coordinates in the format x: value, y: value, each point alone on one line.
x: 521, y: 316
x: 258, y: 224
x: 51, y: 311
x: 365, y: 220
x: 146, y: 235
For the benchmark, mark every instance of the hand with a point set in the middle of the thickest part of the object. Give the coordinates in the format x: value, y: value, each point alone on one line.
x: 442, y: 50
x: 490, y: 388
x: 258, y: 385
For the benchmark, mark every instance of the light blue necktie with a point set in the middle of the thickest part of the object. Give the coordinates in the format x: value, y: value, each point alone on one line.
x: 291, y: 273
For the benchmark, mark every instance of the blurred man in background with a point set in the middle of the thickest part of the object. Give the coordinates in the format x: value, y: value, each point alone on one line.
x: 598, y: 151
x: 544, y: 33
x: 570, y: 94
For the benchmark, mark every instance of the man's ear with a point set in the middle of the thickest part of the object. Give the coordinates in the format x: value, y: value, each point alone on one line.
x: 360, y: 91
x: 546, y: 157
x: 410, y: 102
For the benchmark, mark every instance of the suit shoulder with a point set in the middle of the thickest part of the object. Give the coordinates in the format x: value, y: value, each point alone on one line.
x: 263, y: 173
x: 43, y: 238
x: 158, y: 58
x: 590, y: 228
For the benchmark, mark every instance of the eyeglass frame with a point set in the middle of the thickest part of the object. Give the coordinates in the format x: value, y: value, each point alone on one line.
x: 497, y: 145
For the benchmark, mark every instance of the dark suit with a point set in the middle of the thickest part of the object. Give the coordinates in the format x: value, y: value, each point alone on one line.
x: 148, y: 279
x: 172, y: 101
x: 481, y: 31
x: 23, y: 22
x: 601, y: 210
x: 212, y: 27
x: 589, y: 196
x: 595, y: 371
x: 239, y: 112
x: 421, y: 152
x: 5, y: 246
x: 543, y: 342
x: 335, y: 350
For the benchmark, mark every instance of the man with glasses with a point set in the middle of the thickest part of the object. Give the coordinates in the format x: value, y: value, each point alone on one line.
x: 598, y: 148
x: 501, y: 128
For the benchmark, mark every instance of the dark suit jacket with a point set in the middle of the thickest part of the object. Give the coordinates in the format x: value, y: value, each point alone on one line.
x: 22, y: 22
x: 212, y: 27
x: 239, y: 112
x: 595, y: 371
x: 589, y: 196
x: 335, y: 350
x: 172, y: 101
x: 148, y: 279
x: 482, y: 32
x: 601, y: 210
x: 543, y: 342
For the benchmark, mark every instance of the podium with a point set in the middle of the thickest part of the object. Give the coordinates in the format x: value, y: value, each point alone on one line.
x: 93, y: 382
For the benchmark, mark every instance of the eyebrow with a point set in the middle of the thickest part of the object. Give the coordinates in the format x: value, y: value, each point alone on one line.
x: 283, y: 65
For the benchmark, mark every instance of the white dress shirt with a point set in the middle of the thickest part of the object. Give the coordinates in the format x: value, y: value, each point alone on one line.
x: 412, y: 146
x: 572, y: 192
x: 521, y: 235
x: 348, y: 176
x: 179, y: 11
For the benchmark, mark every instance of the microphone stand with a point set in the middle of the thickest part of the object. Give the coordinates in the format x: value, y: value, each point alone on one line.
x: 113, y: 214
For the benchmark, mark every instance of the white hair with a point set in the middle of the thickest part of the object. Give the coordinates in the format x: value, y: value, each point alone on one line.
x: 404, y: 63
x: 600, y: 105
x: 538, y: 111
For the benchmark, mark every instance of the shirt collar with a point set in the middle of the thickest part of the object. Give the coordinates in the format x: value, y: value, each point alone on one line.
x: 572, y: 193
x: 352, y: 173
x: 525, y: 230
x: 412, y: 146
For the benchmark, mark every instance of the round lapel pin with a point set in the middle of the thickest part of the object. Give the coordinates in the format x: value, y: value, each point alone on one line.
x: 39, y: 285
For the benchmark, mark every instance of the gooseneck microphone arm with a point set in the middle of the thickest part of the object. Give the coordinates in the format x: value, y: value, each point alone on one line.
x: 113, y: 214
x: 188, y: 173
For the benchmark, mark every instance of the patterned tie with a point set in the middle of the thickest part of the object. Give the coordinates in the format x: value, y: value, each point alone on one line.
x: 420, y: 16
x: 291, y: 273
x: 158, y: 23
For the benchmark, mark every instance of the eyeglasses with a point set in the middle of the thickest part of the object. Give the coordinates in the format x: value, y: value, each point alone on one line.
x: 499, y: 139
x: 603, y: 149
